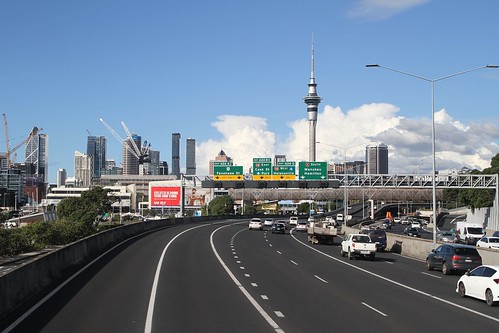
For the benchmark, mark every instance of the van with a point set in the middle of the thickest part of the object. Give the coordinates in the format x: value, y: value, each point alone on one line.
x: 339, y: 217
x: 469, y: 233
x: 293, y: 220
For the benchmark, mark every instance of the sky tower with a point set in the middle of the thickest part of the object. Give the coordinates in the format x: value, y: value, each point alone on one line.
x: 312, y: 100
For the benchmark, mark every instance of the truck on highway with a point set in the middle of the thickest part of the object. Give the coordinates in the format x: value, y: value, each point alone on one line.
x: 469, y: 233
x: 358, y: 245
x: 322, y: 232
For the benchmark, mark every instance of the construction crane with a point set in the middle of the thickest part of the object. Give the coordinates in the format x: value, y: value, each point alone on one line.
x: 10, y: 151
x: 141, y: 154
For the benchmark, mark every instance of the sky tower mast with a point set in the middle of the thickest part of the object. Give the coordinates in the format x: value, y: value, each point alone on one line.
x: 312, y: 100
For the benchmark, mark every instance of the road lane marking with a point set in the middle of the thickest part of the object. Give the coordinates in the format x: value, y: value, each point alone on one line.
x: 397, y: 283
x: 294, y: 262
x: 279, y: 314
x: 374, y: 309
x: 253, y: 284
x: 257, y: 306
x: 320, y: 279
x: 388, y: 262
x: 279, y: 252
x: 264, y: 297
x: 152, y: 298
x: 247, y: 275
x: 242, y: 267
x: 433, y: 276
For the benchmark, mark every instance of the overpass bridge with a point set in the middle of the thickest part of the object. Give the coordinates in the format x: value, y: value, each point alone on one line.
x: 369, y: 186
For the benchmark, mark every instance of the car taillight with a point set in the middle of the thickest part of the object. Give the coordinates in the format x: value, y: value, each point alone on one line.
x: 456, y: 258
x: 353, y: 244
x: 496, y: 281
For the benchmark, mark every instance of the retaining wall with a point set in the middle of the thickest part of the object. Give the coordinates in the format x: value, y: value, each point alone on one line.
x: 28, y: 281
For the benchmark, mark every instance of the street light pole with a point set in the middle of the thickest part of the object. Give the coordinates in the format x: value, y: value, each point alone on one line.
x: 432, y: 81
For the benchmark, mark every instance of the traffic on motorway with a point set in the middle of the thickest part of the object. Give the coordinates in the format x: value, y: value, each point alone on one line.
x: 224, y: 277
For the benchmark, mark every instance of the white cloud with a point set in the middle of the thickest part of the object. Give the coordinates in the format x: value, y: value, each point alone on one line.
x: 409, y: 140
x: 382, y: 9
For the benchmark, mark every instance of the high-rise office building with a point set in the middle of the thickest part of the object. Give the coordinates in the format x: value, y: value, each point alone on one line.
x: 176, y: 154
x: 61, y: 177
x: 83, y: 169
x: 154, y: 162
x: 163, y: 168
x: 190, y: 157
x: 96, y: 149
x: 130, y: 161
x: 221, y: 157
x: 377, y: 159
x: 37, y: 154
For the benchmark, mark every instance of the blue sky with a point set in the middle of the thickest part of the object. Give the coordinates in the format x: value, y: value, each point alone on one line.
x: 232, y: 75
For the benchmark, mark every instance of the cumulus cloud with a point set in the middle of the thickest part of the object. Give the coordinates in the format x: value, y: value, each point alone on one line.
x: 409, y: 140
x: 382, y: 9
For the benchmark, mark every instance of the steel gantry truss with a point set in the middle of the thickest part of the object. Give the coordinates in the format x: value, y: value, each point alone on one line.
x: 373, y: 186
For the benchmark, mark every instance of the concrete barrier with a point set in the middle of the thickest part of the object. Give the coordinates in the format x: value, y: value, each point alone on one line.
x: 29, y: 281
x: 419, y: 248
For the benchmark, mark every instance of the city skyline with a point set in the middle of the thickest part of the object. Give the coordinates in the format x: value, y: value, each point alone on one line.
x: 67, y: 65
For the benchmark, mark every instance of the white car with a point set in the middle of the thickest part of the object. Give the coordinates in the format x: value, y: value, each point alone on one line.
x: 255, y: 224
x: 268, y: 222
x: 293, y: 220
x: 482, y: 283
x: 301, y: 226
x: 488, y: 242
x: 415, y: 225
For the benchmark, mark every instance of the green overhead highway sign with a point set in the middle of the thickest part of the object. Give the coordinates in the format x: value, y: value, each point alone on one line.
x: 312, y: 170
x: 284, y: 171
x: 228, y: 172
x: 262, y: 168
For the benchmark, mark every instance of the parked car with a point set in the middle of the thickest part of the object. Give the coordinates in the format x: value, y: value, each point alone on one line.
x: 301, y: 226
x: 488, y: 242
x: 279, y: 227
x: 268, y: 222
x: 412, y: 232
x: 255, y: 224
x: 377, y: 236
x: 482, y: 283
x: 453, y: 258
x: 446, y: 236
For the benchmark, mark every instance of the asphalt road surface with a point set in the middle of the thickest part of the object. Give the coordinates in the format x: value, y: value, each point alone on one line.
x: 222, y: 277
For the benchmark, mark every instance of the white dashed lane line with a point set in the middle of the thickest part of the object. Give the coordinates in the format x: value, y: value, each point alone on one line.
x: 374, y: 309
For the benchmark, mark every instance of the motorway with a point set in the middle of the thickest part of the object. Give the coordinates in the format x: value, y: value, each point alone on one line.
x: 221, y: 277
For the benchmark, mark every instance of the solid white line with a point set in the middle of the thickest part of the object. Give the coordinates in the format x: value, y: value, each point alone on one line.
x: 321, y: 279
x: 257, y: 306
x: 397, y: 283
x: 152, y: 298
x: 433, y: 276
x: 374, y: 309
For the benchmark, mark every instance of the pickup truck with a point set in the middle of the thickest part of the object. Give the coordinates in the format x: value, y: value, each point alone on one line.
x: 358, y: 245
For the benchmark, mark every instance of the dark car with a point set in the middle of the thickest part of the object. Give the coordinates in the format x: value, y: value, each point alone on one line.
x: 413, y: 232
x: 453, y: 258
x: 495, y: 234
x: 278, y: 227
x: 377, y: 236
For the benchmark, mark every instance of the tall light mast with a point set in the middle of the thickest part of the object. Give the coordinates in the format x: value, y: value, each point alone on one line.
x: 312, y: 100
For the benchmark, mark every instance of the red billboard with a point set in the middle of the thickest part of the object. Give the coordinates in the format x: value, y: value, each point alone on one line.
x: 161, y: 196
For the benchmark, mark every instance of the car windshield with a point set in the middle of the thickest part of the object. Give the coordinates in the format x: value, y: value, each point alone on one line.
x: 466, y: 251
